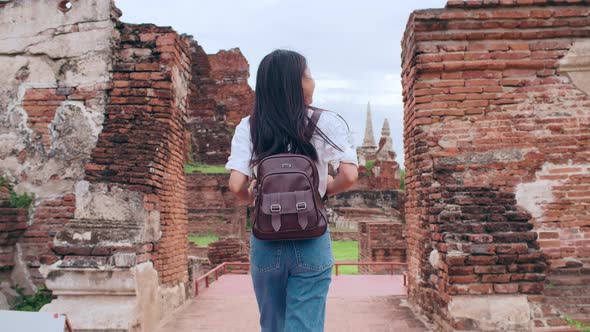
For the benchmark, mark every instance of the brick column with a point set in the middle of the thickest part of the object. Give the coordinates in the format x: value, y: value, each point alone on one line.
x: 124, y: 254
x: 493, y: 141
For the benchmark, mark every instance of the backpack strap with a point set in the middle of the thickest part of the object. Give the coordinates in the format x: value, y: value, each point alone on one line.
x: 301, y: 211
x: 315, y: 116
x: 275, y: 208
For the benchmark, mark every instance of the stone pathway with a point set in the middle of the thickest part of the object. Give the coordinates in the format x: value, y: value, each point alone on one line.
x: 355, y: 303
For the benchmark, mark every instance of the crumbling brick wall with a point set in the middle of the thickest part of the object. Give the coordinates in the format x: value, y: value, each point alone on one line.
x: 212, y: 208
x: 13, y: 222
x: 93, y: 121
x: 228, y: 249
x: 219, y: 97
x: 381, y: 242
x: 53, y: 91
x: 496, y: 149
x: 347, y: 209
x: 139, y: 146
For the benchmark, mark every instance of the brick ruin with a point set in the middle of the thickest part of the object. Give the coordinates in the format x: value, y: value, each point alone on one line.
x: 12, y: 226
x: 497, y: 133
x: 219, y: 98
x: 378, y: 169
x: 381, y: 242
x: 98, y: 118
x: 212, y: 208
x: 375, y: 198
x: 347, y: 209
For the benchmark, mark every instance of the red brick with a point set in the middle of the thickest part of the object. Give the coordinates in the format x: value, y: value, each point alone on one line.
x: 506, y: 288
x: 463, y: 279
x: 481, y: 260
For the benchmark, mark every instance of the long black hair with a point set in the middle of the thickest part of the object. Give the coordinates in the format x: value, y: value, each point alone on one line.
x: 279, y: 117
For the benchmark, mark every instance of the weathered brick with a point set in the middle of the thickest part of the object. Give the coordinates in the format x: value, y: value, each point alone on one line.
x: 506, y: 288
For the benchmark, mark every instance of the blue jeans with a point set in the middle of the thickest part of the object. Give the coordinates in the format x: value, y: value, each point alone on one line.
x: 291, y: 280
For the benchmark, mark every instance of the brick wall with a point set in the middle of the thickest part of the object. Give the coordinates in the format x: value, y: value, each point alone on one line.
x: 141, y: 145
x: 212, y: 208
x: 94, y: 124
x: 230, y: 71
x: 351, y: 207
x: 219, y: 97
x: 37, y: 241
x: 41, y: 104
x: 386, y: 175
x: 13, y: 222
x: 228, y: 249
x: 381, y: 242
x: 344, y: 235
x: 493, y: 129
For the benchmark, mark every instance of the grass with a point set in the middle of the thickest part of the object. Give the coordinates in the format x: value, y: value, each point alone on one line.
x: 369, y: 165
x: 202, y: 241
x: 345, y: 251
x: 191, y: 167
x: 24, y: 302
x: 19, y: 201
x: 579, y: 325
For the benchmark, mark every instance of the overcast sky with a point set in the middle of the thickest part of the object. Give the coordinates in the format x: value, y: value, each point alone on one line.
x: 352, y: 47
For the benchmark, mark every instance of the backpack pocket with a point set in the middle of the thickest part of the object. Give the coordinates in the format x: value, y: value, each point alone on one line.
x: 284, y: 211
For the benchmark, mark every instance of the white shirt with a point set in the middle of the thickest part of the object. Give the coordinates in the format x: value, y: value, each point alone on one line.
x: 329, y: 122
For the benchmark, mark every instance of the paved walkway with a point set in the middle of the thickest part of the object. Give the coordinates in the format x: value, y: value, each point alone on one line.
x: 372, y: 303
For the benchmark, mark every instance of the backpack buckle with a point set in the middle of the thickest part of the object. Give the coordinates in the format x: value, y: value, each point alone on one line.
x: 301, y: 206
x: 275, y: 207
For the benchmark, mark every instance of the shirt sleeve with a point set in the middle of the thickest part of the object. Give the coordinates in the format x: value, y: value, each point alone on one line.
x: 337, y: 130
x: 241, y: 149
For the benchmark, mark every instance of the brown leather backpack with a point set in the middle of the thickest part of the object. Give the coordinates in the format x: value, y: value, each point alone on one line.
x: 287, y: 203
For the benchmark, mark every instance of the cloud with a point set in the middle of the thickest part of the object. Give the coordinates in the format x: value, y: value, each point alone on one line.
x: 325, y: 84
x: 352, y: 47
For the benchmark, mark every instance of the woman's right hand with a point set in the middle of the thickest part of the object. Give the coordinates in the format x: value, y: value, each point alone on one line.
x: 330, y: 179
x: 347, y: 176
x: 251, y: 197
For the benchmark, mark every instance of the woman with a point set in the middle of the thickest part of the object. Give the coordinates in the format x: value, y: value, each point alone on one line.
x: 291, y: 277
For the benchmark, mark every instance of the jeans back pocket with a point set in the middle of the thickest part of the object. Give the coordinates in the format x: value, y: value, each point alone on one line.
x: 265, y: 255
x: 315, y: 254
